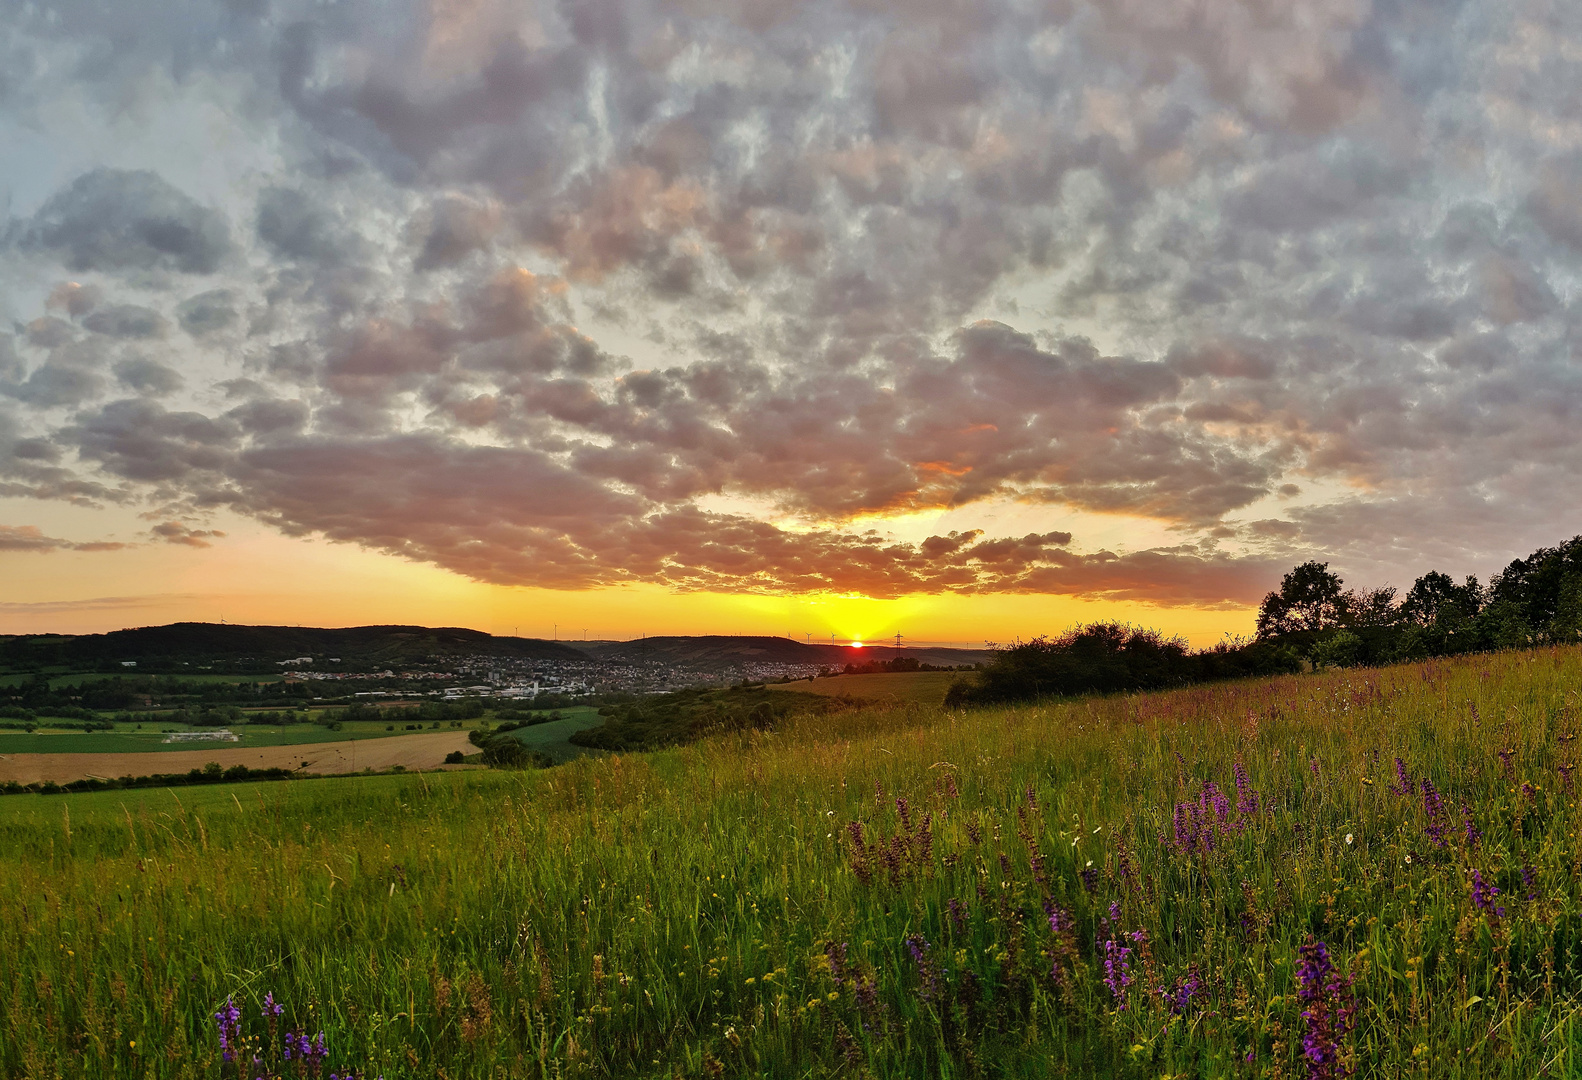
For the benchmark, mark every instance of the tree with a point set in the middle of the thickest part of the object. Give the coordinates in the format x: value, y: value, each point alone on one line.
x: 1310, y: 598
x: 1342, y: 649
x: 1435, y: 599
x: 1371, y: 607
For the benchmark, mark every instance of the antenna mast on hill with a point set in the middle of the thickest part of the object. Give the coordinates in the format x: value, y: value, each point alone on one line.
x: 898, y: 639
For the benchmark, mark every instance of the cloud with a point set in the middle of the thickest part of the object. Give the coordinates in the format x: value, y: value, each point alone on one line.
x: 126, y: 321
x: 120, y: 220
x: 29, y: 538
x: 534, y: 293
x: 207, y: 312
x: 147, y: 376
x: 175, y: 532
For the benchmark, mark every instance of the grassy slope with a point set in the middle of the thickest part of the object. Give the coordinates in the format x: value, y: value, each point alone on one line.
x: 667, y: 914
x: 920, y: 687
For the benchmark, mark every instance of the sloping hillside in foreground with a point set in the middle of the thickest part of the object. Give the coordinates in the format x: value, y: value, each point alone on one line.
x: 1371, y: 871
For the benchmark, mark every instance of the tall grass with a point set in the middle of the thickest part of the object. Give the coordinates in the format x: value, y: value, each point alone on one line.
x: 897, y: 893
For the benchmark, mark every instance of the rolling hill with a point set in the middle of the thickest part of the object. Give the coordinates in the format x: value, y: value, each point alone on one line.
x: 195, y: 643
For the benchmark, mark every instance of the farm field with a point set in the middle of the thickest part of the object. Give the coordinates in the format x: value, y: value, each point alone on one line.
x: 552, y: 738
x: 411, y: 751
x: 919, y: 687
x: 1363, y: 870
x: 125, y: 739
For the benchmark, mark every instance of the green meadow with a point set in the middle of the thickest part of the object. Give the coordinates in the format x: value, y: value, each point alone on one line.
x: 126, y: 739
x: 552, y: 737
x: 1232, y: 880
x: 889, y: 687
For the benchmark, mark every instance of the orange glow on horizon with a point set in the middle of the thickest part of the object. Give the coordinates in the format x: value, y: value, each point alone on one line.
x: 257, y: 576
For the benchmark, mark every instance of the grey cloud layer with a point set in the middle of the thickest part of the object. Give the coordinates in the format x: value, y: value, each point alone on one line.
x: 1329, y: 247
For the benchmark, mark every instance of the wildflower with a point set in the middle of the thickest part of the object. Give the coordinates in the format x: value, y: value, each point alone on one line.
x: 1529, y: 793
x: 958, y: 915
x: 1187, y: 987
x: 1328, y: 1011
x: 1434, y: 812
x: 1469, y: 830
x: 1506, y: 757
x: 1246, y: 797
x: 836, y: 952
x: 1348, y: 839
x: 1117, y: 957
x: 1117, y: 970
x: 1565, y: 776
x: 1529, y: 880
x: 904, y: 810
x: 1484, y: 895
x: 1312, y: 766
x: 1403, y: 780
x: 1212, y: 796
x: 1089, y: 876
x: 931, y: 984
x: 866, y: 992
x: 228, y: 1021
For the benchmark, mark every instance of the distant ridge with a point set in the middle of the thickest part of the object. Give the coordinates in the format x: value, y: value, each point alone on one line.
x: 188, y: 644
x: 192, y: 642
x: 722, y: 650
x: 710, y: 650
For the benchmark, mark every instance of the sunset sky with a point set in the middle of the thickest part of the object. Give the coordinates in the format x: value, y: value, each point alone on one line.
x: 968, y: 320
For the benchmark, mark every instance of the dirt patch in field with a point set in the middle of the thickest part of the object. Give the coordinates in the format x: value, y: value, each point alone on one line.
x: 426, y: 751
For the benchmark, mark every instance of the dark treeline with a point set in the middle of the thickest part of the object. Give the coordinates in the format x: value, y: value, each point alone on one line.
x: 212, y: 773
x: 1103, y: 658
x: 900, y: 663
x: 1533, y: 601
x: 1312, y: 619
x: 120, y: 692
x: 428, y: 712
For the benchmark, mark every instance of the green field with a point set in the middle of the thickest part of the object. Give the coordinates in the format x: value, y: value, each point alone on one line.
x: 918, y: 687
x: 551, y: 738
x: 1080, y: 889
x: 125, y: 739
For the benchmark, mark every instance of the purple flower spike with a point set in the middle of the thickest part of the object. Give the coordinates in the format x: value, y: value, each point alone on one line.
x: 931, y: 984
x: 1403, y: 780
x: 1434, y: 812
x: 1117, y: 970
x: 1484, y: 894
x: 228, y: 1023
x: 1328, y: 1009
x: 1178, y: 999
